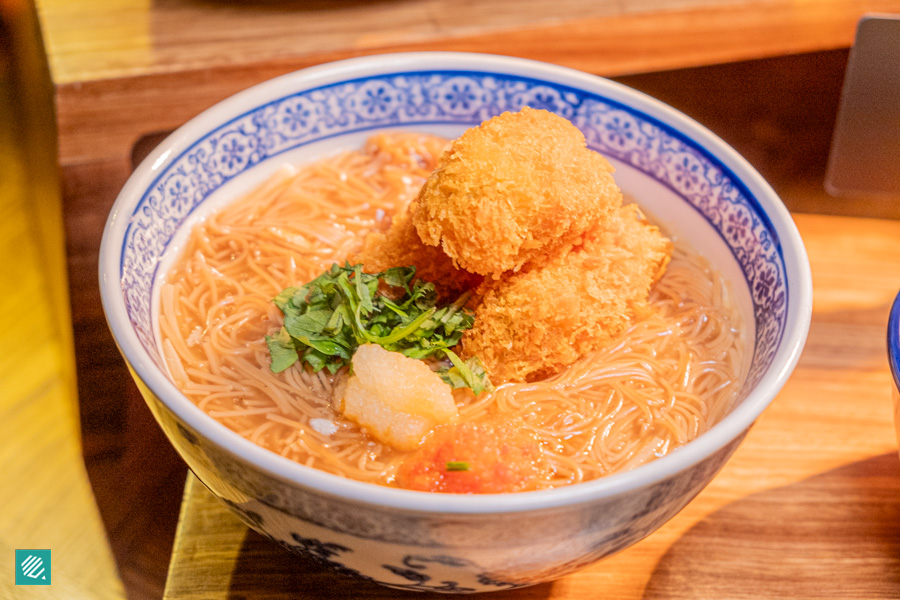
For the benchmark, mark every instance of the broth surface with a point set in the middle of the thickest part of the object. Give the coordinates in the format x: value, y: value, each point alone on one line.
x: 671, y: 376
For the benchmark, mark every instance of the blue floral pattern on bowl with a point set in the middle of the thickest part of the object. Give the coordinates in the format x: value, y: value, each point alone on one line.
x: 436, y: 552
x: 466, y: 98
x: 406, y: 559
x: 433, y: 548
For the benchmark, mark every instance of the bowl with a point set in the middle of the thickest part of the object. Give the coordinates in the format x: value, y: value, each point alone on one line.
x: 893, y: 345
x: 685, y: 176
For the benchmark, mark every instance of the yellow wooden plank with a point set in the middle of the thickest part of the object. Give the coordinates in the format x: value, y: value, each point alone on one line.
x: 109, y: 39
x: 45, y: 497
x: 206, y: 548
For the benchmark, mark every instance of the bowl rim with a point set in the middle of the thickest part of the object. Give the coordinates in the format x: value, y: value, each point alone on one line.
x: 730, y: 428
x: 893, y: 341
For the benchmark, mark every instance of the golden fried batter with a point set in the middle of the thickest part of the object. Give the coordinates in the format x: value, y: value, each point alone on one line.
x: 533, y: 323
x: 523, y: 201
x: 512, y: 190
x: 400, y: 246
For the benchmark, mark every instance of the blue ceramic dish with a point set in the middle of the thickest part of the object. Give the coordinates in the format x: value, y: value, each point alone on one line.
x: 893, y: 344
x: 690, y: 180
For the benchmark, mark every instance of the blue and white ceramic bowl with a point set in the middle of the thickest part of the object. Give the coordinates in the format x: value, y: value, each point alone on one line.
x: 691, y: 181
x: 893, y: 344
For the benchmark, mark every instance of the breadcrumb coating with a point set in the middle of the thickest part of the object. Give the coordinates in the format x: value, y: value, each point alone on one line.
x: 400, y: 246
x: 513, y: 190
x: 533, y: 323
x: 520, y: 210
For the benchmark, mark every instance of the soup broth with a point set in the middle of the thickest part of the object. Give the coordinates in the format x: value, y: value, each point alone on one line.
x: 672, y: 375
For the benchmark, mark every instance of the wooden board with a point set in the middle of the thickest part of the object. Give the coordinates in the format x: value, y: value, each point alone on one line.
x: 807, y: 507
x: 116, y: 39
x: 166, y: 61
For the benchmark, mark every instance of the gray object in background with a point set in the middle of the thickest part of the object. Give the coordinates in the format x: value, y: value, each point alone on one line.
x: 865, y: 150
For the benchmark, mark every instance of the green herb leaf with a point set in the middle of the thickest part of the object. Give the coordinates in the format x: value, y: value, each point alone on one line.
x: 282, y: 350
x: 316, y: 359
x: 470, y: 373
x: 399, y: 277
x: 310, y: 324
x: 284, y: 300
x: 457, y: 465
x: 363, y: 290
x: 326, y: 319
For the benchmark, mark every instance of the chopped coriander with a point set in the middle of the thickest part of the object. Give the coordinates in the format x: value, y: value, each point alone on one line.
x: 327, y: 319
x: 283, y: 351
x: 470, y: 374
x: 457, y: 465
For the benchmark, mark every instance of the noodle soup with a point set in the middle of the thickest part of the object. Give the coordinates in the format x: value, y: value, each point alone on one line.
x: 697, y: 187
x: 668, y: 378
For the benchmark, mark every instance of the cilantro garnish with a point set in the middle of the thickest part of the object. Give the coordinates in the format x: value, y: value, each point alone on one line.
x: 457, y: 465
x: 327, y: 319
x: 470, y: 374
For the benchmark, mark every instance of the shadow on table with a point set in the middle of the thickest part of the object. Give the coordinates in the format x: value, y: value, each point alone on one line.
x: 835, y: 535
x: 263, y: 574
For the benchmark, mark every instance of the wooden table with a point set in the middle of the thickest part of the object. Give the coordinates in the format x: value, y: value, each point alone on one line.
x: 119, y: 73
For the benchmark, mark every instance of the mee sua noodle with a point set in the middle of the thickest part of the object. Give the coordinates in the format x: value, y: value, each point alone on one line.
x: 672, y: 374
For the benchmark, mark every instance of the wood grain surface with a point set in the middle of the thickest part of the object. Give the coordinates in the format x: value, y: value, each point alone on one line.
x: 166, y: 61
x: 806, y: 509
x: 116, y: 39
x: 125, y: 72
